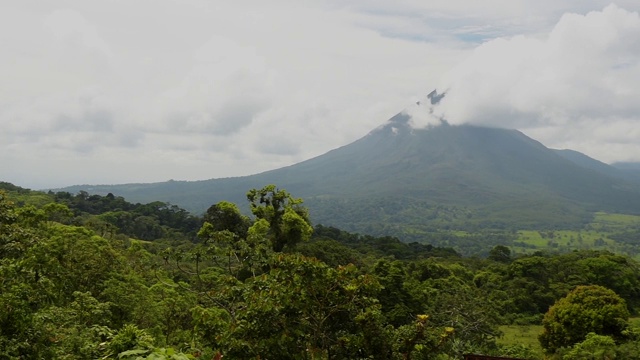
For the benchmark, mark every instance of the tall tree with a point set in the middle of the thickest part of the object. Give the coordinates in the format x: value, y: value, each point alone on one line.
x: 288, y: 219
x: 226, y: 216
x: 584, y: 310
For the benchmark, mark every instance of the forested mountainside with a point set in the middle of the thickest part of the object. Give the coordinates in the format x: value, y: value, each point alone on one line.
x: 87, y: 276
x: 631, y: 169
x: 408, y: 182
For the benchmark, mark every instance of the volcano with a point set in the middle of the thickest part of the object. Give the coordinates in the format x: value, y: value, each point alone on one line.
x: 402, y: 179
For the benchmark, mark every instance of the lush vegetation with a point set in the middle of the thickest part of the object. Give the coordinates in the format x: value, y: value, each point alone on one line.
x: 87, y: 276
x: 587, y: 309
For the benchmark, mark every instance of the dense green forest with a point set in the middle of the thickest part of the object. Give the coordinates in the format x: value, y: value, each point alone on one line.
x: 96, y: 277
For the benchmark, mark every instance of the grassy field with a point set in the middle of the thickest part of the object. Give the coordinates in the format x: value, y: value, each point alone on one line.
x: 521, y: 335
x: 528, y: 334
x: 595, y: 235
x: 608, y: 222
x: 567, y: 238
x: 634, y: 322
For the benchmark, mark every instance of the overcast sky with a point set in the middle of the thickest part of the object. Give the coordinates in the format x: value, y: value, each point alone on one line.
x: 105, y: 92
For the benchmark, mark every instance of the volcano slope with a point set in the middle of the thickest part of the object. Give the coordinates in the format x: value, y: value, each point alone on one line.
x: 402, y: 181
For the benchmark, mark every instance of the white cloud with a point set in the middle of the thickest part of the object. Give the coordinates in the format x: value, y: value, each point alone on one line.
x: 566, y: 89
x: 148, y: 90
x: 226, y: 87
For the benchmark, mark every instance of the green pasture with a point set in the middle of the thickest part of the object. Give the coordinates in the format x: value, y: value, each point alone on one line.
x: 595, y: 235
x: 521, y: 335
x: 608, y: 222
x: 528, y: 334
x: 569, y: 238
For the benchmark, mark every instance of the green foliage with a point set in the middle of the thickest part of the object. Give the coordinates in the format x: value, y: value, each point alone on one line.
x: 308, y: 305
x: 519, y: 351
x: 331, y: 252
x: 57, y: 212
x: 226, y: 216
x: 500, y: 253
x: 111, y: 214
x: 155, y: 354
x: 288, y: 220
x: 7, y: 215
x: 593, y: 347
x: 130, y: 338
x: 382, y: 246
x: 75, y: 285
x: 81, y: 328
x: 418, y: 341
x: 584, y: 310
x: 535, y: 282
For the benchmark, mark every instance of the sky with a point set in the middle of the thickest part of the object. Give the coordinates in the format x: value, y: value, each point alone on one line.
x: 129, y: 91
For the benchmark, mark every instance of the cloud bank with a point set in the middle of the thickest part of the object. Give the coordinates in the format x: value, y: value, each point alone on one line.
x: 151, y: 90
x: 576, y: 87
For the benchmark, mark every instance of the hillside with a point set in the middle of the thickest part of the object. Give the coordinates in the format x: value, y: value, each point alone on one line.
x: 630, y: 169
x: 401, y: 180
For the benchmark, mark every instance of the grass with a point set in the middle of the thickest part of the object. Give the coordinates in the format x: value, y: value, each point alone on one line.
x: 528, y: 334
x: 608, y: 221
x: 521, y: 335
x: 594, y: 235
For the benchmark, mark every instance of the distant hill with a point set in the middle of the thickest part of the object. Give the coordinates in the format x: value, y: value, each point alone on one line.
x: 588, y: 162
x: 627, y: 165
x: 404, y: 181
x: 630, y: 169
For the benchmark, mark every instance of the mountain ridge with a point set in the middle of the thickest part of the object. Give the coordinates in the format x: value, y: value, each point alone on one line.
x: 399, y: 176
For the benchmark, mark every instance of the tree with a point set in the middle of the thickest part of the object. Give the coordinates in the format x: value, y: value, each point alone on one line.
x: 616, y: 272
x: 57, y: 212
x: 300, y: 308
x: 226, y: 216
x: 594, y: 347
x: 288, y: 219
x: 500, y: 253
x: 586, y: 309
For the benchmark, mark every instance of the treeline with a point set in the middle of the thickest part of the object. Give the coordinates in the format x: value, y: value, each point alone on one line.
x: 79, y: 281
x: 422, y: 216
x: 142, y: 221
x: 112, y: 215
